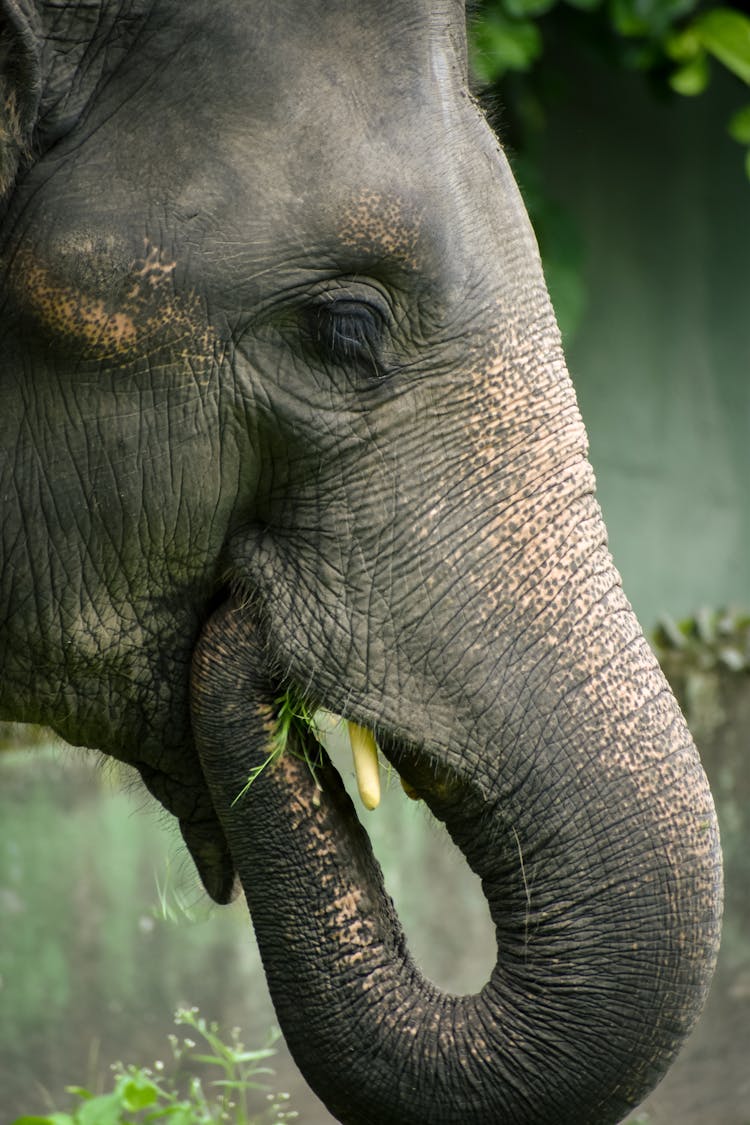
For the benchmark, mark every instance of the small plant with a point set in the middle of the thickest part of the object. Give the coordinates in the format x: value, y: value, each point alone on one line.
x: 231, y: 1083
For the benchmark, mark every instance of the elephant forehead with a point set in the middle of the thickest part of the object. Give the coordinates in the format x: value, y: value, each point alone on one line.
x: 382, y: 224
x: 89, y: 303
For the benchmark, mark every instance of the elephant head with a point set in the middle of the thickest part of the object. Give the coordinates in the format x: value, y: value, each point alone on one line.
x: 284, y: 407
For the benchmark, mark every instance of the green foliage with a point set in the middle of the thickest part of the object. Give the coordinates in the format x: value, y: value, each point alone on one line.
x: 501, y: 43
x: 725, y: 34
x: 216, y: 1082
x: 88, y: 958
x: 739, y: 125
x: 722, y: 34
x: 680, y: 39
x: 677, y: 43
x: 705, y: 658
x: 649, y: 18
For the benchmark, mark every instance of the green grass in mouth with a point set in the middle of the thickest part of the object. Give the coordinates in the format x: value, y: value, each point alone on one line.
x: 293, y: 714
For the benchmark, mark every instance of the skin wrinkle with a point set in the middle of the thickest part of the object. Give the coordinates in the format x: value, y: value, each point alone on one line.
x: 459, y: 489
x: 604, y: 824
x: 538, y: 578
x: 60, y: 519
x: 503, y: 657
x: 546, y: 736
x: 499, y: 518
x: 105, y: 333
x: 576, y: 732
x: 518, y: 564
x: 552, y: 638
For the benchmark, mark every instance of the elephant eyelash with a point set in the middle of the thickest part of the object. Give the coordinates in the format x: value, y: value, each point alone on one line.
x: 349, y: 333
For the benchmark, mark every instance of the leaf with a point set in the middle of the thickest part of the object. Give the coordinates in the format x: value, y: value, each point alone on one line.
x: 138, y: 1093
x: 726, y: 34
x: 243, y: 1084
x: 732, y: 659
x: 104, y: 1110
x: 210, y: 1060
x: 747, y: 164
x: 254, y: 1056
x: 692, y: 78
x: 652, y: 18
x: 181, y: 1114
x: 705, y: 625
x: 669, y: 634
x: 627, y: 19
x: 501, y: 44
x: 739, y: 125
x: 684, y: 45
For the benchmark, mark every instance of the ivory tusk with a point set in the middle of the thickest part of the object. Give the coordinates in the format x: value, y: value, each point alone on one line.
x: 366, y: 769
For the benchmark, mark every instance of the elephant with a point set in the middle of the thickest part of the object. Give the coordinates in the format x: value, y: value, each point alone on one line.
x: 285, y: 414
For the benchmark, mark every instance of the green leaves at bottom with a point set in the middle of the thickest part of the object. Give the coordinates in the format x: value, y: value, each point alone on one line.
x: 185, y: 1097
x: 50, y: 1119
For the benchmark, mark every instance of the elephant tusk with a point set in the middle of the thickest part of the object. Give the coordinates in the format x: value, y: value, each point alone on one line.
x: 366, y: 769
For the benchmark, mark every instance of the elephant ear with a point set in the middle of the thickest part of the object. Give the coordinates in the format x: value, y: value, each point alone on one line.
x: 20, y: 86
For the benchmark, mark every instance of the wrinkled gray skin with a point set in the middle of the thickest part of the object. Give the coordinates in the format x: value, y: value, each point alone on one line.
x: 283, y: 396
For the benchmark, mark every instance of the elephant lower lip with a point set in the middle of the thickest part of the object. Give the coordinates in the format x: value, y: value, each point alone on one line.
x: 189, y: 800
x: 210, y: 851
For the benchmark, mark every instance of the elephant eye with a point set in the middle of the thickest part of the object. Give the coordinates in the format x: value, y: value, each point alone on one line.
x: 348, y: 332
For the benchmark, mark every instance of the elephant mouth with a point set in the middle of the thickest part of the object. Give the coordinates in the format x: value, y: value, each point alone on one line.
x: 308, y: 732
x: 315, y: 735
x: 316, y: 730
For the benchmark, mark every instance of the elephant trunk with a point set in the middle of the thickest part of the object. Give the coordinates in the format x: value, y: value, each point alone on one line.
x: 604, y: 955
